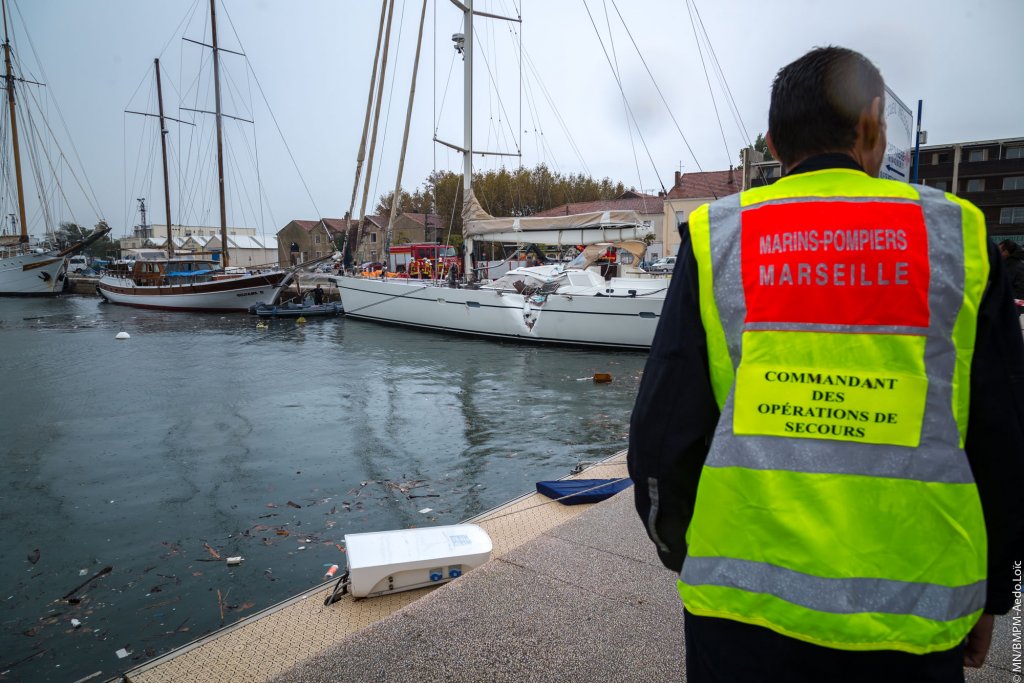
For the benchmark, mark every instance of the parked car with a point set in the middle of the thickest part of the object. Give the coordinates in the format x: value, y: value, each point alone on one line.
x: 664, y: 265
x: 78, y: 264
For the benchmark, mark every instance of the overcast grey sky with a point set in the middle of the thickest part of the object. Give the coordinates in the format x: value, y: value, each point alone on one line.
x: 313, y: 60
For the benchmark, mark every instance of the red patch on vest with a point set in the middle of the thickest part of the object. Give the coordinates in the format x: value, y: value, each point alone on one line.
x: 841, y: 263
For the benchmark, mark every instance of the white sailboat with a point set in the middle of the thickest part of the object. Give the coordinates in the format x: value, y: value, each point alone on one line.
x: 26, y: 269
x: 573, y: 304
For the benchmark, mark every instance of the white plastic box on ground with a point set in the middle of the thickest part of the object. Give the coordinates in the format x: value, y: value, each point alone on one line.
x: 391, y: 561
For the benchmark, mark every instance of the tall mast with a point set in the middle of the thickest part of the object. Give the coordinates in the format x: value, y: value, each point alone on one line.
x: 467, y: 106
x: 220, y: 138
x: 9, y: 79
x: 163, y: 148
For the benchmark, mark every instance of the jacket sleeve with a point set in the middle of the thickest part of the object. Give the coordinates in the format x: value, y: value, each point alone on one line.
x: 995, y: 432
x: 674, y: 416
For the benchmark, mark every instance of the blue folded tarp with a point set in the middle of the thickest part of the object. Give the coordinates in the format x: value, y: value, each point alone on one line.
x: 188, y: 273
x: 581, y: 491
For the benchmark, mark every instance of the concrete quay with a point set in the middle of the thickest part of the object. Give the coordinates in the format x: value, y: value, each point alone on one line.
x: 570, y: 594
x: 585, y: 601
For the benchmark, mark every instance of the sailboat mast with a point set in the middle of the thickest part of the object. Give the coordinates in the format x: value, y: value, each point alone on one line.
x: 467, y: 105
x: 163, y: 149
x: 220, y: 138
x: 9, y: 81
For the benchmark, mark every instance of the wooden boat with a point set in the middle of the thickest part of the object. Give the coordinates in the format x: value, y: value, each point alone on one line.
x: 188, y: 284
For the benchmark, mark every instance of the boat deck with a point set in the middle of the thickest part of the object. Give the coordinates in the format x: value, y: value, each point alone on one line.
x: 269, y: 642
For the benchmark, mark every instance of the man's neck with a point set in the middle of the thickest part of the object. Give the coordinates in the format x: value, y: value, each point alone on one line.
x: 826, y: 160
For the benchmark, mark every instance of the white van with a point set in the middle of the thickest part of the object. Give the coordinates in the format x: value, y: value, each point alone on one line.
x: 78, y: 264
x: 664, y: 265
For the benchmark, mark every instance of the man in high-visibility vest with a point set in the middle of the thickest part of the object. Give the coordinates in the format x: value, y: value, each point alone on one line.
x: 828, y: 440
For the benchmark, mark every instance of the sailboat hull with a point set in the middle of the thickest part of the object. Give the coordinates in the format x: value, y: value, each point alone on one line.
x: 32, y: 275
x: 235, y: 294
x: 619, y: 322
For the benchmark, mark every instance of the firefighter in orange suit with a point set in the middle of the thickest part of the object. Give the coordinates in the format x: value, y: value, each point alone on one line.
x: 840, y: 484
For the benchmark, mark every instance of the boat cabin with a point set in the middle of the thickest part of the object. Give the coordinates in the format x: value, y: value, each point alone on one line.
x: 160, y: 272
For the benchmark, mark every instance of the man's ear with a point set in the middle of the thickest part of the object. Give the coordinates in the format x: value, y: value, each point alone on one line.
x: 771, y: 147
x: 872, y: 122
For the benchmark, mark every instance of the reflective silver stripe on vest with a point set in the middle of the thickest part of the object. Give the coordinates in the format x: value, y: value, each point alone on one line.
x: 946, y: 297
x: 727, y: 277
x: 939, y: 457
x: 837, y: 596
x: 847, y: 329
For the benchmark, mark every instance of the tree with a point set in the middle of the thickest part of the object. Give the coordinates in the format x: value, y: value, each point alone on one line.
x: 517, y: 192
x: 760, y: 145
x: 69, y: 233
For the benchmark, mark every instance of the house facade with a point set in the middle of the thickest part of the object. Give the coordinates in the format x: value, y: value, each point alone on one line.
x: 688, y: 192
x: 300, y: 241
x: 409, y: 228
x: 988, y: 173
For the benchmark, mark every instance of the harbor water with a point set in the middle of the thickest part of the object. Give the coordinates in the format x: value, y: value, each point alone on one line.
x: 209, y: 436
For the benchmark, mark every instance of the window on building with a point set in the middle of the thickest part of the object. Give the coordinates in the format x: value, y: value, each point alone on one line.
x: 373, y: 237
x: 1014, y: 183
x: 977, y: 155
x: 940, y: 158
x: 373, y: 254
x: 1015, y: 152
x: 941, y: 185
x: 319, y: 254
x: 316, y: 239
x: 975, y: 185
x: 1011, y: 214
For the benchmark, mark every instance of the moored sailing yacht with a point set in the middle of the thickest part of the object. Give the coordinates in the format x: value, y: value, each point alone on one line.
x: 26, y: 270
x: 573, y: 304
x: 190, y: 284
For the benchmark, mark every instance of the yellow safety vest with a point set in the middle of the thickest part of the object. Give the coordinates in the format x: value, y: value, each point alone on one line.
x: 836, y: 504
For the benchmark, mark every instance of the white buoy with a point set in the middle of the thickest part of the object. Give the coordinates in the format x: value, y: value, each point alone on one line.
x: 123, y: 335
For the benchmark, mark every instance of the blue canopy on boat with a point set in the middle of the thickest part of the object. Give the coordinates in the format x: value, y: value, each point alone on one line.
x: 579, y: 491
x: 187, y: 273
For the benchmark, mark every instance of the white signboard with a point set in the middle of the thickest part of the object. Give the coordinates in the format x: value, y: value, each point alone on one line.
x: 899, y: 123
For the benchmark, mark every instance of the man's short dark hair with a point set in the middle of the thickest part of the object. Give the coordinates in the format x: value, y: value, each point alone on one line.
x: 817, y: 101
x: 1009, y: 246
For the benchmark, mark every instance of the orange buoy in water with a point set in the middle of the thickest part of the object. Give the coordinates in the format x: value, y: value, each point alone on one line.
x: 602, y: 378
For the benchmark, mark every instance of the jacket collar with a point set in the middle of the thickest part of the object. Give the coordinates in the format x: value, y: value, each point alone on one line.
x: 821, y: 162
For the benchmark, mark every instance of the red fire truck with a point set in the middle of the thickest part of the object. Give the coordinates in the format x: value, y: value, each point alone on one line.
x: 423, y: 260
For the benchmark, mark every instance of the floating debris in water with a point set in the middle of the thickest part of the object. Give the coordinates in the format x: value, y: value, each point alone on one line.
x: 123, y: 335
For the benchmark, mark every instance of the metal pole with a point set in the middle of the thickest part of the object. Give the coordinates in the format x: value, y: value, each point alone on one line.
x: 396, y: 197
x: 467, y: 125
x: 376, y: 121
x: 14, y: 130
x: 163, y: 149
x: 917, y: 144
x: 220, y: 139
